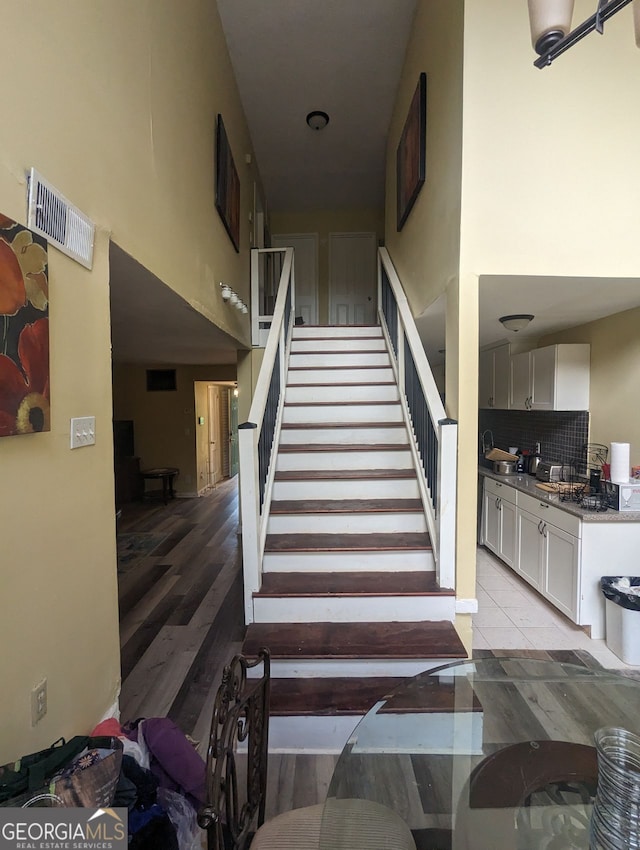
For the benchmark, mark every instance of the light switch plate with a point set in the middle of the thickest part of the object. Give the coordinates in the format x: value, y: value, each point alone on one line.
x: 83, y: 431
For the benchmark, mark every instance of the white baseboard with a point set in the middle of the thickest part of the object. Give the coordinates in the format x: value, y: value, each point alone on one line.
x: 466, y: 606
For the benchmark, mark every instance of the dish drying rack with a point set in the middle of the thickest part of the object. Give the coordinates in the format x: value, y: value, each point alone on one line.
x: 591, y: 457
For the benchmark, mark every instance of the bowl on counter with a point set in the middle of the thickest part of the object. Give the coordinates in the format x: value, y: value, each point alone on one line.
x: 504, y: 467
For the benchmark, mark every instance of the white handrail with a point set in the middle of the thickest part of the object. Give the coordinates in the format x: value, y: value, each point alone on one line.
x: 253, y: 513
x: 441, y: 516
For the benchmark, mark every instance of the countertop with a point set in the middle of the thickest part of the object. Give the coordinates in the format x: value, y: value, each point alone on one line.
x: 527, y: 484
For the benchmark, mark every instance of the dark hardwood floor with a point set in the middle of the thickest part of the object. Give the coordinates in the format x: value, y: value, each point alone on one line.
x: 182, y: 620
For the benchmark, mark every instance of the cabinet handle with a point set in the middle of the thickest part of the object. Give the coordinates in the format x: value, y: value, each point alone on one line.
x: 497, y: 503
x: 544, y: 529
x: 539, y: 528
x: 542, y: 505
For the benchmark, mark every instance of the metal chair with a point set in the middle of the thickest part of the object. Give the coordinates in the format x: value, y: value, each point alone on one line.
x: 236, y: 798
x: 235, y: 804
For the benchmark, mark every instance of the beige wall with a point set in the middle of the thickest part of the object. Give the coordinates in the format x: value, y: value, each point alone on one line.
x: 615, y: 377
x: 426, y: 251
x: 324, y: 222
x: 115, y: 104
x: 541, y: 194
x: 550, y: 183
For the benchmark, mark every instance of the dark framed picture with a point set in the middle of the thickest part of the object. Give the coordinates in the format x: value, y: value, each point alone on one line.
x: 411, y: 153
x: 227, y: 185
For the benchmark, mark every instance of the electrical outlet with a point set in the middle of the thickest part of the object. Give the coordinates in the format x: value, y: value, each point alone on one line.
x: 38, y: 702
x: 83, y: 431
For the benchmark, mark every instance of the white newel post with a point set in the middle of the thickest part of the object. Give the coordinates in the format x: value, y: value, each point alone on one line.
x: 249, y: 512
x: 446, y: 509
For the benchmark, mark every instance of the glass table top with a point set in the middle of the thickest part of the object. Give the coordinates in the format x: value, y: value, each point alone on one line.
x: 493, y: 753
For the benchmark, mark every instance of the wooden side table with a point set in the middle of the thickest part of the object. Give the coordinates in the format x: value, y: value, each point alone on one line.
x: 166, y: 474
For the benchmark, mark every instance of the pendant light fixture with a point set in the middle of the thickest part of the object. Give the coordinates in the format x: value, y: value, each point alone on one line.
x: 550, y: 21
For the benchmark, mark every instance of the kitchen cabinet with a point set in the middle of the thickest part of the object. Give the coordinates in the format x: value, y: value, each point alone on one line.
x: 555, y: 377
x: 548, y: 552
x: 494, y: 377
x: 499, y: 513
x: 559, y: 552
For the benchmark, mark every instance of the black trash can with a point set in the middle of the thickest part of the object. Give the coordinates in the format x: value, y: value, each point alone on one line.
x: 622, y: 606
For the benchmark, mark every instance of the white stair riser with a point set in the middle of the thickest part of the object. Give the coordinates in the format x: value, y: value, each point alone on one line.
x: 353, y: 609
x: 344, y: 376
x: 354, y: 344
x: 362, y: 435
x: 310, y: 735
x: 353, y: 523
x: 433, y: 732
x: 341, y: 331
x: 348, y: 361
x: 390, y: 560
x: 379, y: 488
x: 338, y: 394
x: 314, y: 414
x: 340, y: 460
x: 300, y: 668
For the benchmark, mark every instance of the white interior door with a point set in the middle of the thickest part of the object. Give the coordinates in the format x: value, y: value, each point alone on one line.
x: 352, y: 278
x: 215, y: 454
x: 306, y: 271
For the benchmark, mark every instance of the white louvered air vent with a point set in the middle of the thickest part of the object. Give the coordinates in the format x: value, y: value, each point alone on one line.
x: 62, y: 224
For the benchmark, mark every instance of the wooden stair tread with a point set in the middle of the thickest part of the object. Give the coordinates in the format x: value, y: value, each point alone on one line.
x: 370, y: 542
x: 342, y: 474
x: 348, y: 368
x: 347, y: 403
x: 349, y: 384
x: 398, y: 640
x: 344, y: 506
x: 298, y: 448
x: 342, y: 695
x: 416, y: 583
x: 321, y: 351
x: 309, y: 425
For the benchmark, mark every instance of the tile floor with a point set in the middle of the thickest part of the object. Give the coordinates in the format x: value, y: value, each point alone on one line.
x: 511, y: 615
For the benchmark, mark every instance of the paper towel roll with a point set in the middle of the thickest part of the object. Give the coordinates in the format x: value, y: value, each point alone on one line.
x: 620, y: 463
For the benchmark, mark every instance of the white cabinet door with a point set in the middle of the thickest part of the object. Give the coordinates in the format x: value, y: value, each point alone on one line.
x: 501, y: 376
x: 495, y: 377
x: 491, y: 518
x: 529, y: 551
x: 508, y: 532
x: 520, y: 381
x: 485, y: 380
x: 561, y: 553
x: 542, y: 370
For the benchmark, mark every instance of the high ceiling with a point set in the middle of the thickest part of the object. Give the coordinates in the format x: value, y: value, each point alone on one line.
x: 343, y: 57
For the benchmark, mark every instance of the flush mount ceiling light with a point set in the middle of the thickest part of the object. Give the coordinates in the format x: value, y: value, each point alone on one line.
x: 317, y: 120
x: 517, y: 321
x: 551, y: 33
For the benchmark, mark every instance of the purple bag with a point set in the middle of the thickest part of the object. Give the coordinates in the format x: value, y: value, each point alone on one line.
x: 173, y: 760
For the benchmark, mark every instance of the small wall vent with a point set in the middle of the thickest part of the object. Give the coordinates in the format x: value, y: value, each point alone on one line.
x: 51, y: 215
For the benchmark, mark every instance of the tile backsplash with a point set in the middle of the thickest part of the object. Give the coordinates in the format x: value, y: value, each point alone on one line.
x: 562, y: 434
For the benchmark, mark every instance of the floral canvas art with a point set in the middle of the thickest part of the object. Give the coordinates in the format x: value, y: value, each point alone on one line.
x: 24, y: 331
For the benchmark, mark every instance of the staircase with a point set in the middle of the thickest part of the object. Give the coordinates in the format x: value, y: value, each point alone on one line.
x: 346, y: 596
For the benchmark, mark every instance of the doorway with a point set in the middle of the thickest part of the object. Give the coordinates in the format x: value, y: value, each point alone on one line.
x: 306, y: 271
x: 352, y: 278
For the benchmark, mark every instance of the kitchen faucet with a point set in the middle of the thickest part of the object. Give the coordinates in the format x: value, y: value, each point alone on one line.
x: 486, y: 446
